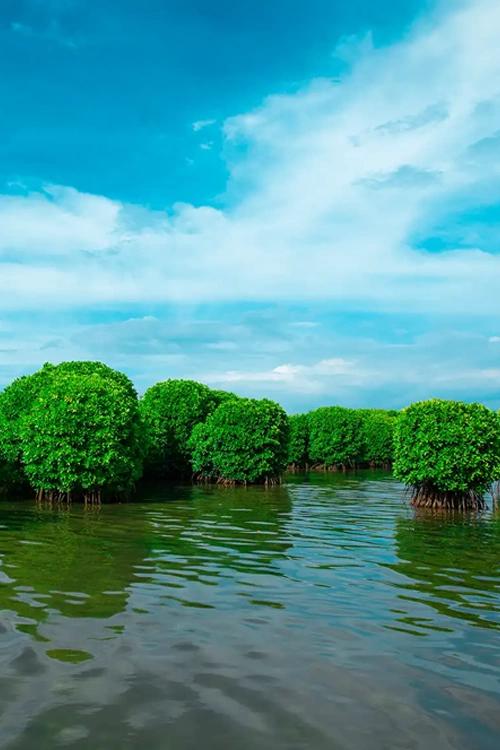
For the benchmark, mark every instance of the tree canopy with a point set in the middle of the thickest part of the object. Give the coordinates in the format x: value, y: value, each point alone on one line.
x: 335, y: 436
x: 15, y: 403
x: 77, y: 429
x: 298, y: 441
x: 243, y: 440
x: 53, y: 427
x: 378, y: 436
x: 170, y: 410
x: 447, y: 451
x: 82, y: 435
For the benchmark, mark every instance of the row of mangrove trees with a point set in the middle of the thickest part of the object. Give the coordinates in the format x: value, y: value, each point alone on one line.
x: 79, y: 430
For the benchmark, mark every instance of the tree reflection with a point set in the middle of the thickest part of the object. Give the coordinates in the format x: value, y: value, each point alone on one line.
x: 84, y: 564
x: 450, y: 564
x: 221, y: 530
x: 73, y: 562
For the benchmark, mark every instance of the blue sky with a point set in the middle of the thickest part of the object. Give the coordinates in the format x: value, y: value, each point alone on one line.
x: 299, y: 200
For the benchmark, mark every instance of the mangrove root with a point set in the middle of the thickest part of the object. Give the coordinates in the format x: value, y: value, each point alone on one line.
x: 58, y: 497
x: 424, y: 497
x: 224, y: 482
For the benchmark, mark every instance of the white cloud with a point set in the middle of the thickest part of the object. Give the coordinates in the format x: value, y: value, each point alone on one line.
x: 264, y: 354
x: 202, y: 124
x: 57, y: 221
x: 298, y: 377
x: 377, y: 373
x: 336, y: 179
x: 323, y: 205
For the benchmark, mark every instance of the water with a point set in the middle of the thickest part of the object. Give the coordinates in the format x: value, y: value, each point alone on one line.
x: 323, y: 614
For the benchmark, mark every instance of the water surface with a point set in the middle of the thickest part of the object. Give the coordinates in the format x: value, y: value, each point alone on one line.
x: 319, y: 615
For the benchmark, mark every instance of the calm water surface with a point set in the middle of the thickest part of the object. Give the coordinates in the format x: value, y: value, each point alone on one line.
x: 322, y: 614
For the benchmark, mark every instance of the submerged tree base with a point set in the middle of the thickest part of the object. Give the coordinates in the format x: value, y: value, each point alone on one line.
x: 224, y: 482
x: 344, y: 468
x: 333, y: 467
x: 297, y: 468
x: 426, y: 497
x: 56, y: 496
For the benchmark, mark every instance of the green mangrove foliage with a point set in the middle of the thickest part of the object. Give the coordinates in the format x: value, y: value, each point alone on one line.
x: 77, y: 430
x: 378, y: 437
x: 335, y: 437
x: 298, y: 441
x: 447, y: 452
x: 15, y: 402
x: 169, y: 411
x: 82, y: 436
x: 88, y: 367
x: 12, y: 401
x: 244, y: 440
x: 71, y: 430
x: 219, y: 396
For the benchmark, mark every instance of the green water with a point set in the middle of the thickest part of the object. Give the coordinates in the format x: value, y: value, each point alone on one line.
x: 319, y: 615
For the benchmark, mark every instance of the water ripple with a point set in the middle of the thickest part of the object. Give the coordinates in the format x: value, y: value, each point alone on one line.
x: 324, y: 613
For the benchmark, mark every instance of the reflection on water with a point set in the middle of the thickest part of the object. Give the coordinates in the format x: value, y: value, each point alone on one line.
x: 321, y: 614
x: 451, y: 565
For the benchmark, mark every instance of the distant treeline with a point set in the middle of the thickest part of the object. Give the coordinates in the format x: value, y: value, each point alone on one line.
x: 333, y: 438
x: 78, y: 431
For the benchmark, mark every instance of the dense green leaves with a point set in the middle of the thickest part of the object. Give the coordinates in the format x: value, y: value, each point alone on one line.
x: 447, y: 446
x: 15, y: 402
x: 88, y: 367
x: 60, y: 426
x: 170, y: 410
x: 378, y: 436
x: 338, y: 437
x: 77, y: 428
x: 298, y: 441
x: 335, y: 436
x: 82, y: 435
x: 243, y: 440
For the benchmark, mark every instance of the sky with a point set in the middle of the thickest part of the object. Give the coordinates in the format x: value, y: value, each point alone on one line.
x: 291, y: 199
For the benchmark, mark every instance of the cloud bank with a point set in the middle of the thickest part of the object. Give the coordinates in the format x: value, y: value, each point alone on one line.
x: 355, y: 192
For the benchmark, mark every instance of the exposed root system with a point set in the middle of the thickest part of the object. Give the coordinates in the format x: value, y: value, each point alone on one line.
x: 223, y: 482
x: 331, y: 467
x: 425, y: 497
x: 339, y: 467
x: 92, y: 498
x: 51, y: 497
x: 297, y: 468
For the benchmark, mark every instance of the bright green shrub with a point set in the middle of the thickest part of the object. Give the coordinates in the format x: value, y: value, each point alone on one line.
x: 89, y: 367
x: 243, y: 440
x: 298, y: 440
x: 170, y: 410
x: 447, y: 451
x: 335, y: 436
x: 15, y: 403
x: 218, y: 397
x: 378, y: 436
x: 82, y: 435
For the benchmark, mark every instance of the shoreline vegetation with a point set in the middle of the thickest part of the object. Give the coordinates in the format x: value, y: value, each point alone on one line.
x: 78, y: 431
